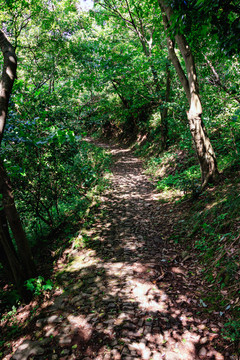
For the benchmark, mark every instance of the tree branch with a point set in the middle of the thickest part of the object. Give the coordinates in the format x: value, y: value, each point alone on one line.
x: 218, y: 80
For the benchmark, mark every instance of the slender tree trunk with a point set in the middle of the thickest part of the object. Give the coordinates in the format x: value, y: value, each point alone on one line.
x: 21, y: 262
x: 164, y: 122
x: 155, y: 79
x: 15, y: 224
x: 7, y: 79
x: 204, y: 149
x: 4, y: 234
x: 9, y: 258
x: 122, y: 98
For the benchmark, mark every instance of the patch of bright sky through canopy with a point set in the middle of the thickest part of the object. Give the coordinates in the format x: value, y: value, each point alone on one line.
x: 85, y: 5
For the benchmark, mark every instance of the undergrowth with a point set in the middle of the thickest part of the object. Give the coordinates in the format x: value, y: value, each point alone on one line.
x: 88, y: 178
x: 207, y: 227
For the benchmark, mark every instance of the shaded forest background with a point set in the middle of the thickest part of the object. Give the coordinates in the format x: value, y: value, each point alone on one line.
x: 161, y: 76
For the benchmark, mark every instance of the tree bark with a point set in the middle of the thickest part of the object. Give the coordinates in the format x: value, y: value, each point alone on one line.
x: 204, y: 149
x: 15, y: 224
x: 7, y: 79
x: 9, y: 256
x: 10, y: 260
x: 164, y: 122
x: 21, y: 262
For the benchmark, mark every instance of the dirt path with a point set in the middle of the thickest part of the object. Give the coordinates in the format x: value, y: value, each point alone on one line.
x: 126, y: 294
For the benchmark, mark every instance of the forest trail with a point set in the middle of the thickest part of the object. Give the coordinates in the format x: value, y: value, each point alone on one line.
x: 127, y: 294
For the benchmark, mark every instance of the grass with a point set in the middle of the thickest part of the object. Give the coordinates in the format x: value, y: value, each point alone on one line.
x: 207, y: 227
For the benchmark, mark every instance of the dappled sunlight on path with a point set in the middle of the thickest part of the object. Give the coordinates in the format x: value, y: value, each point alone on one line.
x: 125, y: 295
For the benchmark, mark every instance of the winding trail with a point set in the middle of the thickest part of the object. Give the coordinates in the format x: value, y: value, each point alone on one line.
x: 127, y: 294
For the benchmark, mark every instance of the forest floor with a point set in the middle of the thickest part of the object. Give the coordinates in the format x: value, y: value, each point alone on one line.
x: 124, y: 290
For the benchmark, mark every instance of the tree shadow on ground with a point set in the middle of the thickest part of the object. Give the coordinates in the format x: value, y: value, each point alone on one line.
x: 125, y: 294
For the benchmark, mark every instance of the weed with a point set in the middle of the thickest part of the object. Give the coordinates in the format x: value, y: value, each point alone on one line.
x: 231, y: 331
x: 38, y: 285
x: 10, y: 314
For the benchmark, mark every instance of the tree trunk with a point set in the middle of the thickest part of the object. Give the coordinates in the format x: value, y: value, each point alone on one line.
x: 7, y: 79
x: 9, y: 258
x: 204, y: 149
x: 205, y: 153
x: 20, y: 263
x: 164, y: 122
x: 5, y: 238
x: 15, y: 224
